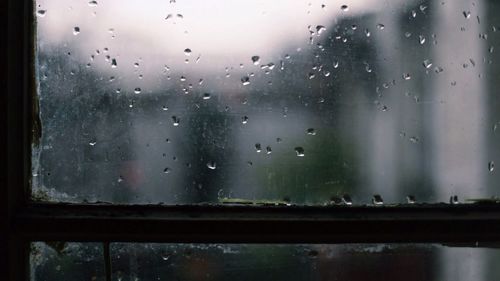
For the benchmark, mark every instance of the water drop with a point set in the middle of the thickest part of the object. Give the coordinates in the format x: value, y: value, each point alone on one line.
x: 311, y: 75
x: 367, y: 32
x: 410, y: 199
x: 454, y: 200
x: 406, y: 76
x: 255, y: 60
x: 176, y: 120
x: 344, y: 8
x: 466, y: 14
x: 245, y: 80
x: 206, y: 96
x: 347, y: 199
x: 414, y: 140
x: 211, y: 165
x: 165, y: 257
x: 244, y: 119
x: 258, y: 147
x: 92, y: 143
x: 92, y: 3
x: 113, y: 63
x: 427, y: 63
x: 491, y: 166
x: 300, y: 151
x: 377, y: 200
x: 407, y: 34
x: 137, y: 90
x: 268, y: 150
x: 311, y: 132
x: 187, y: 52
x: 320, y: 29
x: 41, y: 13
x: 76, y: 30
x: 182, y: 78
x: 421, y: 39
x: 380, y: 26
x: 335, y: 64
x: 166, y: 170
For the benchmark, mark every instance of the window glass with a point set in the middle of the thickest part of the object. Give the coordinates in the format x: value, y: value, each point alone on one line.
x: 295, y: 102
x: 67, y: 261
x: 131, y: 262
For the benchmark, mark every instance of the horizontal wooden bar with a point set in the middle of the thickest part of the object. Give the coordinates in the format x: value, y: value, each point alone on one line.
x: 441, y: 223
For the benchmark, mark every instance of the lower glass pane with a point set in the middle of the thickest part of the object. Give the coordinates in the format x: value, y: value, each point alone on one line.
x: 66, y: 261
x: 138, y: 261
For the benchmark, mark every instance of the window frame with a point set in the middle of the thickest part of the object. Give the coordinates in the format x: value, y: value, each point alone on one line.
x: 463, y: 224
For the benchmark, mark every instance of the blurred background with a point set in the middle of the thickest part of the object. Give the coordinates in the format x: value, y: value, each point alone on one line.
x: 303, y: 102
x: 192, y: 262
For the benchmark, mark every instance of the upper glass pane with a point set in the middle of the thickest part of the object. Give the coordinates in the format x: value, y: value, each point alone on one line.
x: 301, y: 102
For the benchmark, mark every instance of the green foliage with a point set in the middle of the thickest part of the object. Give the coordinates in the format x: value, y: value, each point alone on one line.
x: 326, y: 170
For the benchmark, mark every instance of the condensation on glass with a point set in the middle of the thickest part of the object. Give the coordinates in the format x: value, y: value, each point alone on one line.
x: 294, y: 102
x: 388, y: 262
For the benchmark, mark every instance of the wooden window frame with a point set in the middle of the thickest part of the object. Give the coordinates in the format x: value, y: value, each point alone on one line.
x: 25, y: 221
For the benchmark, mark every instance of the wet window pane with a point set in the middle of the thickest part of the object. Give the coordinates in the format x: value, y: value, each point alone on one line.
x: 67, y: 261
x: 301, y: 102
x: 131, y: 262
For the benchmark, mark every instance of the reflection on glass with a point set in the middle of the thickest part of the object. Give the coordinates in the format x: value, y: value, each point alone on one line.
x: 131, y: 262
x: 300, y: 102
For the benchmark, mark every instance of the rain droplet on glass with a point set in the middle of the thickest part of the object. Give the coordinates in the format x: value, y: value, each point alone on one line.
x: 268, y: 150
x: 175, y: 120
x: 211, y: 165
x: 311, y: 132
x: 421, y: 39
x: 255, y: 60
x: 41, y: 13
x: 299, y: 151
x: 258, y: 147
x: 377, y: 200
x: 427, y: 63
